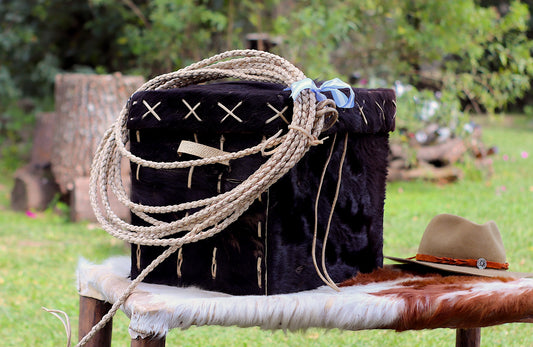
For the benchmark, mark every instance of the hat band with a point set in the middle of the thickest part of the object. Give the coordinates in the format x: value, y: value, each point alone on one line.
x: 477, y: 263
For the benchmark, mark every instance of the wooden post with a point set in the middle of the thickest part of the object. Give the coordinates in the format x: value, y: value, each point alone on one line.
x: 148, y: 342
x: 262, y: 41
x: 91, y: 312
x: 468, y: 337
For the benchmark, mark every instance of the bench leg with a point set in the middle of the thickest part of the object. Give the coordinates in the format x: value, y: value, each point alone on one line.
x: 468, y: 337
x: 148, y: 342
x: 91, y: 311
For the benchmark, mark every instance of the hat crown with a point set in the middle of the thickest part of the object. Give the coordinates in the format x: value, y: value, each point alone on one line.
x: 456, y: 237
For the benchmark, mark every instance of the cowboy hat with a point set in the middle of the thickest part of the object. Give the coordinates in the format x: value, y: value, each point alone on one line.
x: 455, y: 244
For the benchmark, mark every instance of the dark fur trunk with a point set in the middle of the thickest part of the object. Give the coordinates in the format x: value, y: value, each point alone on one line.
x: 268, y: 249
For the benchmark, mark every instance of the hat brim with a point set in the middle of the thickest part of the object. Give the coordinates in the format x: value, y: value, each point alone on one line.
x: 464, y: 269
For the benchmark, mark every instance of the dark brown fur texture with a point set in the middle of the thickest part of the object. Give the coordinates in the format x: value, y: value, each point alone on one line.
x: 356, y: 238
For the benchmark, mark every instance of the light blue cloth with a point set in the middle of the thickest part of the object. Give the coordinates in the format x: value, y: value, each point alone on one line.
x: 333, y: 86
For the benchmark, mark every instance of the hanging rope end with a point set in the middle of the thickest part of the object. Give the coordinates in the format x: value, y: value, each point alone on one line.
x: 334, y: 287
x: 65, y: 320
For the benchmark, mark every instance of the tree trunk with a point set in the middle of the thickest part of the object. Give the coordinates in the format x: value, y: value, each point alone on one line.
x: 86, y: 106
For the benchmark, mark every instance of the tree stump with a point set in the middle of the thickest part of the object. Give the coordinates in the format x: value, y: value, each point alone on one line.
x: 80, y: 204
x: 43, y: 135
x: 86, y: 106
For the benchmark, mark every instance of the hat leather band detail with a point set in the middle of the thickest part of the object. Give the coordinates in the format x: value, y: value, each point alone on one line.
x: 463, y: 262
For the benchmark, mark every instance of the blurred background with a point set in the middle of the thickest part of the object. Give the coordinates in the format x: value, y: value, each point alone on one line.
x: 446, y: 59
x: 461, y: 70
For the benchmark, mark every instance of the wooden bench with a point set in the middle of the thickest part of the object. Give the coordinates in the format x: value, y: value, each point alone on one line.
x: 363, y: 305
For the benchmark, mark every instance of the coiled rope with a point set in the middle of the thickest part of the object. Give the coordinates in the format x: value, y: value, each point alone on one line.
x: 217, y: 212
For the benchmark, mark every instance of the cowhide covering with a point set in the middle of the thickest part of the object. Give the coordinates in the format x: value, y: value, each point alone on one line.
x: 387, y: 298
x: 277, y: 230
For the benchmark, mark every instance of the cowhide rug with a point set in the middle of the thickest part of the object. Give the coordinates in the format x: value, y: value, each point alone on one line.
x: 388, y: 298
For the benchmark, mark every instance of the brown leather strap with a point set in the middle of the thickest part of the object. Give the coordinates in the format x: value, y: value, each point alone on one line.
x: 480, y: 263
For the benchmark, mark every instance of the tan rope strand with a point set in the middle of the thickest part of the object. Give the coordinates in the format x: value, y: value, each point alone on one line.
x: 120, y: 192
x: 64, y: 320
x: 335, y: 198
x: 107, y: 204
x: 215, y: 213
x: 224, y: 203
x: 134, y: 236
x: 315, y: 228
x: 123, y: 196
x: 116, y: 218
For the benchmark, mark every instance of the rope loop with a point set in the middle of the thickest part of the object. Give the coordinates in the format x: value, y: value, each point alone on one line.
x: 214, y: 214
x: 327, y: 110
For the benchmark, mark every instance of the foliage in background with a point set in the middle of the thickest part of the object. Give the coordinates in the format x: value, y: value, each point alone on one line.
x: 169, y: 34
x: 424, y: 112
x: 498, y: 71
x: 314, y: 32
x: 40, y: 38
x: 479, y: 55
x: 453, y: 53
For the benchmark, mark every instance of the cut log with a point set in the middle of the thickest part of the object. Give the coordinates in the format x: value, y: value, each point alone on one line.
x: 34, y: 188
x: 262, y: 41
x: 444, y: 153
x: 86, y: 105
x: 395, y: 170
x: 441, y: 174
x: 397, y: 151
x: 426, y: 172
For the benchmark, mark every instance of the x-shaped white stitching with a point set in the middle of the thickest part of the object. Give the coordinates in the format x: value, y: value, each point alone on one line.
x: 278, y: 114
x: 151, y: 110
x: 230, y: 113
x: 191, y: 110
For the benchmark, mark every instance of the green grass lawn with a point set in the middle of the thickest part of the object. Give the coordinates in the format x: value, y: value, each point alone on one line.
x: 38, y: 256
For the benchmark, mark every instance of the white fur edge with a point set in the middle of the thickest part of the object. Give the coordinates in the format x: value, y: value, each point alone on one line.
x: 155, y: 309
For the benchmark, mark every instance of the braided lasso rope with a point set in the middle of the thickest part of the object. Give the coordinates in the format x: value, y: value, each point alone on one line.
x: 217, y: 212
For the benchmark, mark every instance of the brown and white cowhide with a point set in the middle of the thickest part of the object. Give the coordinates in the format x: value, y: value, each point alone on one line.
x: 388, y: 298
x: 446, y: 301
